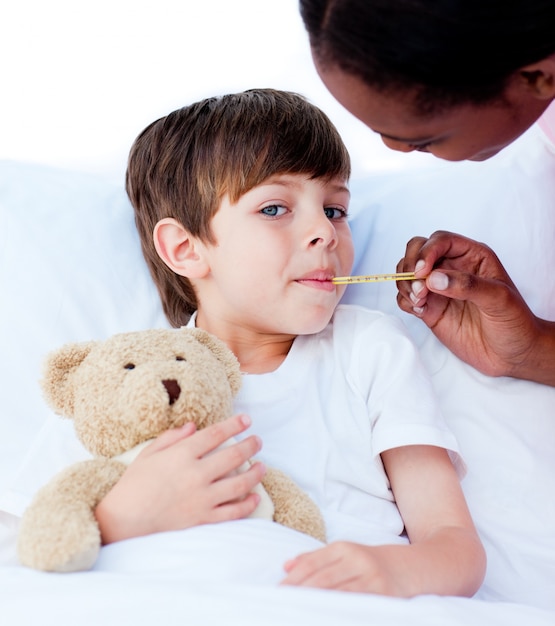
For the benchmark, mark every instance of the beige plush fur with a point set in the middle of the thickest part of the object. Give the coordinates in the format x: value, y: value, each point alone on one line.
x: 123, y: 392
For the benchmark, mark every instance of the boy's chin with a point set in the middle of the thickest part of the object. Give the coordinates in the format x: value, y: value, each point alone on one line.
x: 314, y: 326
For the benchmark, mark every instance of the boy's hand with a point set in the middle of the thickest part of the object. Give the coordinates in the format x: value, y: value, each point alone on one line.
x: 346, y: 566
x: 181, y: 480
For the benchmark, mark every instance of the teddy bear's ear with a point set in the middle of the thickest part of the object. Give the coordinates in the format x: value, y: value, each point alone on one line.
x: 56, y: 382
x: 223, y: 354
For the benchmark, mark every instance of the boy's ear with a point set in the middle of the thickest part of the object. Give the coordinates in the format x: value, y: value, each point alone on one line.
x: 539, y: 78
x: 179, y: 250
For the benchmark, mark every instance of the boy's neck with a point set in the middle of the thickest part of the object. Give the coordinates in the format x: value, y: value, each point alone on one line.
x: 256, y: 352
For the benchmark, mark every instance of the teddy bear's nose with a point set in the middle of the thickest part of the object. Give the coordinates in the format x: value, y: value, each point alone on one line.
x: 173, y: 389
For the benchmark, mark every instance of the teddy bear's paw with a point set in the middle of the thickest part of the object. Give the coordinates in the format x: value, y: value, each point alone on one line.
x: 59, y: 531
x: 79, y: 562
x: 55, y: 562
x: 65, y: 538
x: 293, y: 507
x: 60, y: 551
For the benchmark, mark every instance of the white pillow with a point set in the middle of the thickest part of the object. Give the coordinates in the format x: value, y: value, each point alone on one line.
x: 71, y: 269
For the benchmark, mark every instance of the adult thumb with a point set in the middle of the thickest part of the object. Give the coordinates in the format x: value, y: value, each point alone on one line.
x: 487, y: 294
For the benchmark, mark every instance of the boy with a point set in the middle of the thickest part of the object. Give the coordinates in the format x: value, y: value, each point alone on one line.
x: 241, y: 204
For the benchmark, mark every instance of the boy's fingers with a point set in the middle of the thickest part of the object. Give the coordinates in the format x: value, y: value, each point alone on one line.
x: 237, y: 486
x: 220, y: 463
x: 238, y: 509
x: 212, y: 437
x: 205, y: 440
x: 170, y: 437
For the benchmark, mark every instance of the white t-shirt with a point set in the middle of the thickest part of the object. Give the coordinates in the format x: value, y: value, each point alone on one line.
x: 547, y: 122
x: 339, y: 399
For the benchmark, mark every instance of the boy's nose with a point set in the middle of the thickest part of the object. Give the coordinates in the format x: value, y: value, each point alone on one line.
x: 323, y: 233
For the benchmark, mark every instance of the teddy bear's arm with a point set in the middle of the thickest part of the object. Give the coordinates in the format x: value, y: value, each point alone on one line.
x: 59, y: 532
x: 293, y: 507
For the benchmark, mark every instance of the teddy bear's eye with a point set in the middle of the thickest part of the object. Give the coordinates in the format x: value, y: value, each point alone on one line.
x: 180, y: 358
x: 129, y: 366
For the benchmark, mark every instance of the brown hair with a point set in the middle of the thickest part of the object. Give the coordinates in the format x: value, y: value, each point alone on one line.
x: 182, y: 165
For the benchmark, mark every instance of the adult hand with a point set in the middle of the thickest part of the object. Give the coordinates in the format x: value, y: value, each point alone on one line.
x: 183, y: 480
x: 465, y: 296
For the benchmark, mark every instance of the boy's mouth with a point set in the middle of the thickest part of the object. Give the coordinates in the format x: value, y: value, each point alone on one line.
x: 320, y: 279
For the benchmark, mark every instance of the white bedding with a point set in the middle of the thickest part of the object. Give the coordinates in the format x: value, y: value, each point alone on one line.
x: 71, y: 269
x: 168, y: 580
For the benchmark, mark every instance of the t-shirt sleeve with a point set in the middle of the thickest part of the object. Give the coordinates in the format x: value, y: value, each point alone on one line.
x: 402, y: 405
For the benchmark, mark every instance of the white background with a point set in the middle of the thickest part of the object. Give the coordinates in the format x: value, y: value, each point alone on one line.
x: 81, y: 79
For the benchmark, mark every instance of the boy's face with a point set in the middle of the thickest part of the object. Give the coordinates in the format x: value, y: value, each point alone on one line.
x: 276, y: 251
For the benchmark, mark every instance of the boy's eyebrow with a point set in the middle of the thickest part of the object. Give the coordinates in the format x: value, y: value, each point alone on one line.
x: 340, y: 187
x: 294, y: 183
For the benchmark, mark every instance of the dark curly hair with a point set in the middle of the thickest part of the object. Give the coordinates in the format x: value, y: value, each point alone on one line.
x: 446, y: 51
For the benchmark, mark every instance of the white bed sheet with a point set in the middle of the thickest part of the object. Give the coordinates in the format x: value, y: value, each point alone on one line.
x: 71, y: 269
x: 205, y: 576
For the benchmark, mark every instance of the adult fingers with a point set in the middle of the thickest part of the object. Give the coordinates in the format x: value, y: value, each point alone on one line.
x: 412, y: 254
x: 443, y: 249
x: 441, y: 246
x: 490, y: 295
x: 412, y: 293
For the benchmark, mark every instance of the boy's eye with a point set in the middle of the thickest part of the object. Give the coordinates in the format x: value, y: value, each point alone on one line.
x: 334, y: 213
x: 274, y: 210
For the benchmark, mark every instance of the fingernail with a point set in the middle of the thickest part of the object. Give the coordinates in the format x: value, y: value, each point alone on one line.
x: 418, y: 310
x: 419, y: 265
x: 262, y: 468
x: 417, y: 286
x: 245, y: 420
x: 438, y: 281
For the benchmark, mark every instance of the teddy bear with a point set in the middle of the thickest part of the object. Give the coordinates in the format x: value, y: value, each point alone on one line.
x: 121, y: 393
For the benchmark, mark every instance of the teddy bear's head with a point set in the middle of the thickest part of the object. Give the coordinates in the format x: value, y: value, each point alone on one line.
x: 133, y: 386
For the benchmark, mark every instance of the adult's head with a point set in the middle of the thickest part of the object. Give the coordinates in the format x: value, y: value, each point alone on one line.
x: 458, y: 78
